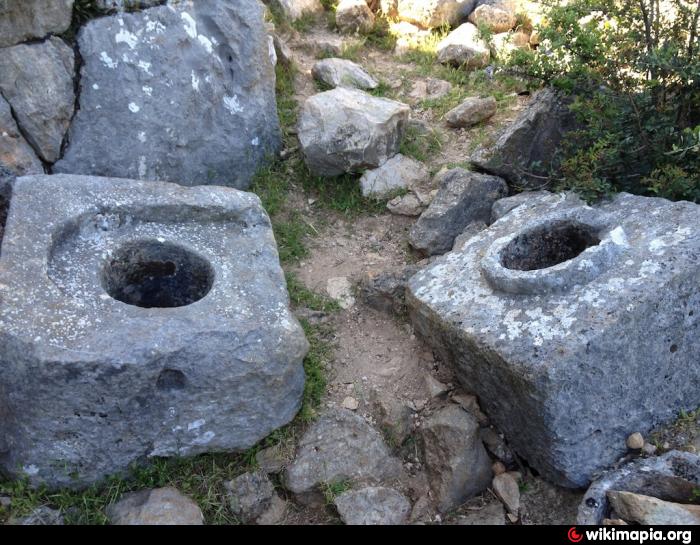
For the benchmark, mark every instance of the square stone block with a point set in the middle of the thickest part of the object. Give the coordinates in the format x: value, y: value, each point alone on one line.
x: 139, y: 319
x: 574, y: 325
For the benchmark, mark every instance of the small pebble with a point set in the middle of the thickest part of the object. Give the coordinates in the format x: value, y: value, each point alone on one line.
x: 351, y: 403
x: 635, y: 441
x: 498, y: 468
x: 648, y: 448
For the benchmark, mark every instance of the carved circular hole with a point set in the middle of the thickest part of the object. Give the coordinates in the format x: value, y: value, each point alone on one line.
x: 152, y: 274
x: 547, y: 246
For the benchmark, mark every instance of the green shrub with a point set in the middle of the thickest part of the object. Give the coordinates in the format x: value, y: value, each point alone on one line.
x: 634, y: 70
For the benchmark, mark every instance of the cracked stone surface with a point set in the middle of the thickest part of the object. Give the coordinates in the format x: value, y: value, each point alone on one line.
x: 139, y: 319
x: 37, y: 82
x: 15, y: 153
x: 574, y: 325
x: 181, y: 93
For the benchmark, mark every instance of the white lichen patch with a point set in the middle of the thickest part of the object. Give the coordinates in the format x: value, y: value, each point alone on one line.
x: 129, y: 38
x: 232, y: 105
x: 108, y: 61
x: 133, y: 107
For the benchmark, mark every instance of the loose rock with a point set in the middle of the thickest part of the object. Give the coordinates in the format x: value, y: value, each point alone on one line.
x: 159, y: 506
x: 373, y: 506
x: 342, y: 73
x: 496, y: 15
x: 406, y: 205
x: 456, y: 461
x: 41, y: 516
x: 434, y: 13
x: 463, y: 197
x: 506, y: 488
x: 635, y: 441
x: 351, y: 403
x: 398, y: 173
x: 385, y: 290
x: 346, y: 130
x: 340, y: 289
x: 296, y: 9
x: 339, y: 446
x: 652, y: 511
x: 523, y: 153
x: 37, y: 81
x: 464, y: 47
x: 472, y: 111
x: 252, y: 496
x: 354, y: 16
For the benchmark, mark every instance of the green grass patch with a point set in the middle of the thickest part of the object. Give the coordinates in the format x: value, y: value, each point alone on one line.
x: 421, y: 145
x: 301, y: 296
x: 332, y: 490
x: 315, y: 366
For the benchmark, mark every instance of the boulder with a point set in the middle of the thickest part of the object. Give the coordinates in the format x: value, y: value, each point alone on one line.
x: 353, y: 16
x: 671, y: 477
x: 339, y: 446
x: 15, y: 153
x: 430, y: 89
x: 531, y: 198
x: 22, y: 20
x: 495, y: 15
x: 253, y: 498
x: 572, y: 324
x: 434, y: 13
x: 398, y: 173
x: 456, y: 461
x: 464, y: 237
x: 472, y: 111
x: 155, y: 507
x: 37, y: 81
x: 652, y: 511
x: 409, y: 204
x: 346, y: 130
x: 180, y: 93
x: 296, y: 9
x: 463, y: 198
x: 374, y: 505
x: 464, y: 47
x: 283, y: 53
x: 168, y: 311
x: 525, y: 153
x: 506, y: 489
x: 342, y: 73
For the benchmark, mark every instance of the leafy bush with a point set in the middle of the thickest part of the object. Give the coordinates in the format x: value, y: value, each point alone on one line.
x: 634, y: 70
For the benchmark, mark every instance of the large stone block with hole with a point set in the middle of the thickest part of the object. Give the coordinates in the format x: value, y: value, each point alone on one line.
x: 575, y: 325
x: 138, y: 320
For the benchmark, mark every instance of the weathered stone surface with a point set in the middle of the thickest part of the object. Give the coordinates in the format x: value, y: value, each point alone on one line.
x: 525, y: 152
x: 572, y: 324
x: 531, y: 198
x: 457, y: 464
x: 406, y: 205
x: 430, y: 88
x: 652, y: 511
x: 489, y: 515
x: 464, y: 47
x: 37, y: 81
x: 127, y: 5
x: 470, y: 112
x: 252, y: 496
x: 471, y: 230
x: 282, y: 51
x: 434, y: 13
x: 271, y: 459
x: 22, y: 20
x: 41, y: 516
x: 463, y: 197
x: 15, y: 153
x: 167, y: 310
x: 353, y: 16
x: 374, y: 505
x: 296, y: 9
x: 179, y: 93
x: 496, y: 15
x: 342, y: 73
x: 155, y: 507
x: 670, y: 477
x: 398, y: 173
x: 346, y: 130
x: 339, y: 446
